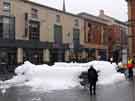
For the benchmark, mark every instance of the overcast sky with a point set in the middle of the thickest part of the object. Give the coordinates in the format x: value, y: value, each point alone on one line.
x: 114, y: 8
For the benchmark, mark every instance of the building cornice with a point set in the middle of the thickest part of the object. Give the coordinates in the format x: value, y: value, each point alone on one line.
x: 97, y: 19
x: 50, y: 8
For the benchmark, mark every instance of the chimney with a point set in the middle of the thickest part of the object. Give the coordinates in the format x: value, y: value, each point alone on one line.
x: 64, y: 7
x: 101, y: 13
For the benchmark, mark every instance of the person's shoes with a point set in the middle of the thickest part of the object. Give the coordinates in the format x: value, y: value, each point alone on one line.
x: 90, y: 93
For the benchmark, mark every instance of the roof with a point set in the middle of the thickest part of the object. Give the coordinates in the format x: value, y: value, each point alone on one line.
x: 80, y: 15
x: 93, y: 18
x: 50, y: 8
x: 117, y: 21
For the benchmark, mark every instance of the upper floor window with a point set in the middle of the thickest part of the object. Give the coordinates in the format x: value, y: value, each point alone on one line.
x: 34, y: 13
x: 90, y: 33
x: 76, y: 22
x: 7, y: 28
x: 6, y: 8
x: 34, y: 30
x: 58, y: 18
x: 8, y: 1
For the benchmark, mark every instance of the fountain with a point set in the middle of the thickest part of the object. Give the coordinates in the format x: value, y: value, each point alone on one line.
x: 3, y: 87
x: 36, y: 99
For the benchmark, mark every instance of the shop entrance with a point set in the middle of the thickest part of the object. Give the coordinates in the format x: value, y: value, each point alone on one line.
x: 56, y: 55
x: 8, y: 60
x: 35, y: 56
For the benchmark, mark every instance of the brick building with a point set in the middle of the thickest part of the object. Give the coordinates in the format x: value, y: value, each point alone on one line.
x: 118, y: 37
x: 96, y: 36
x: 131, y: 23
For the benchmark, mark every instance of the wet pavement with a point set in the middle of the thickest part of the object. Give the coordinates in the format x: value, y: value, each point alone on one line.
x: 123, y: 91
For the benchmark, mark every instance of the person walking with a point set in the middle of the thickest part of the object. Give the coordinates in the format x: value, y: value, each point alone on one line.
x: 111, y: 60
x: 130, y: 66
x: 92, y: 78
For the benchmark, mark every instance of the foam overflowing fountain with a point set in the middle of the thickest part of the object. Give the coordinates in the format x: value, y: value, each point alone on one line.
x: 3, y: 87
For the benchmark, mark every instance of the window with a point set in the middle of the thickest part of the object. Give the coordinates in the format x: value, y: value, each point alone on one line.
x: 76, y: 22
x: 58, y: 18
x: 6, y: 8
x: 6, y: 31
x: 76, y: 38
x: 89, y: 32
x: 26, y: 24
x: 34, y: 13
x: 7, y: 27
x: 6, y: 20
x: 1, y: 30
x: 8, y: 1
x: 34, y: 30
x: 33, y: 55
x: 58, y: 34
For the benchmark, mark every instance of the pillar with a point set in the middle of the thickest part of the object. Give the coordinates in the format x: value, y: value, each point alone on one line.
x: 97, y: 55
x: 19, y: 55
x: 46, y: 56
x: 67, y: 54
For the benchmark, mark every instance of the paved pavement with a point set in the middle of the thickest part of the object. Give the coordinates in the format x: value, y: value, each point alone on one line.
x: 124, y: 91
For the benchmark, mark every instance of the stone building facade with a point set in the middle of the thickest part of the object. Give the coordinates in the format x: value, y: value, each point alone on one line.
x: 131, y: 25
x: 41, y: 34
x: 37, y: 33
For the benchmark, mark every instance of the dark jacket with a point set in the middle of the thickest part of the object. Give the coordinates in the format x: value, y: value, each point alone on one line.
x: 92, y: 75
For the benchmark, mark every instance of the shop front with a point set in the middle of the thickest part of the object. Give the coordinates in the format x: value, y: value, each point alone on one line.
x: 102, y: 53
x: 35, y: 56
x: 8, y: 59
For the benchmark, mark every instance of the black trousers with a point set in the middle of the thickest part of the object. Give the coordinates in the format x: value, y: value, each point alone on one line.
x: 130, y: 71
x: 92, y: 87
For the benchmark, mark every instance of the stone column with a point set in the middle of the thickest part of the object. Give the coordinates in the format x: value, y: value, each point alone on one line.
x: 67, y: 53
x: 19, y: 55
x: 97, y: 54
x: 46, y: 55
x: 60, y: 55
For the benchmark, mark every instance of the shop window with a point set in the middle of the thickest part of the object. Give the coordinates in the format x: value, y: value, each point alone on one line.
x: 33, y: 55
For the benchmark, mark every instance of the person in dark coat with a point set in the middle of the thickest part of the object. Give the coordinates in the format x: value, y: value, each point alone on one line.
x: 92, y: 78
x: 130, y: 67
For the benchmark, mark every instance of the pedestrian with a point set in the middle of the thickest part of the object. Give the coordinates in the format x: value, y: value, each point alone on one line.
x: 120, y: 67
x: 111, y: 60
x: 92, y: 78
x: 130, y: 66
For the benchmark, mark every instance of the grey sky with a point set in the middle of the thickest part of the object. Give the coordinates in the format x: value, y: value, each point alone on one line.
x: 114, y: 8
